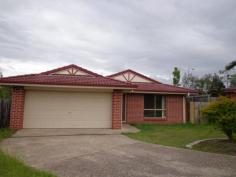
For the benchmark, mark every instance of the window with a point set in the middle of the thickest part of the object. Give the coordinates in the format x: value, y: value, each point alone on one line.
x: 154, y: 106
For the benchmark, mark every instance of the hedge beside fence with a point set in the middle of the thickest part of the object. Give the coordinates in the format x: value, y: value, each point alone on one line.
x: 5, y: 106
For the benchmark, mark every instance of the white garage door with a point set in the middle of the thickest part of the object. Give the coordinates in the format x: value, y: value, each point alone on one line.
x: 51, y: 109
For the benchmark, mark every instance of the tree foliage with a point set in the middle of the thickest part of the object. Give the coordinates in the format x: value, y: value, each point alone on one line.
x: 204, y: 83
x: 189, y: 80
x: 230, y: 74
x: 230, y: 66
x: 232, y: 80
x: 5, y: 92
x: 216, y: 86
x: 223, y: 113
x: 176, y: 76
x: 210, y: 83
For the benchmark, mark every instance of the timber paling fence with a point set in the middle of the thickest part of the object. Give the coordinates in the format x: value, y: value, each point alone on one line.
x: 195, y: 105
x: 5, y: 106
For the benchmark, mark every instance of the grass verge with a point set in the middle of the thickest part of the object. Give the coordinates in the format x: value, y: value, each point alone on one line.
x: 11, y: 167
x: 177, y: 135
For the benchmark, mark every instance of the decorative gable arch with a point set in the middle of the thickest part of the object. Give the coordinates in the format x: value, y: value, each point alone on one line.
x: 71, y: 70
x: 132, y: 76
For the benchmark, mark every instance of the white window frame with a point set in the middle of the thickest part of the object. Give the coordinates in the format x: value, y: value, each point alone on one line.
x: 163, y: 109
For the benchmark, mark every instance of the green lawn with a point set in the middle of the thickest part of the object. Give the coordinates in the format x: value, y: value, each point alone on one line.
x: 5, y: 133
x: 174, y: 135
x: 11, y: 167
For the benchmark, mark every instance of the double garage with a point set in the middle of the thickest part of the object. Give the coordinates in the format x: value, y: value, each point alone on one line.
x: 67, y: 109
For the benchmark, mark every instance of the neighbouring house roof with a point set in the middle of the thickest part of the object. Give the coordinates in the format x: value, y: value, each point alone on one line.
x: 230, y: 90
x: 148, y: 84
x: 66, y: 76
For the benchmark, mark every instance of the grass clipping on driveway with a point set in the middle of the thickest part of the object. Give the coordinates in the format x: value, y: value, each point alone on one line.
x: 174, y: 135
x: 11, y: 167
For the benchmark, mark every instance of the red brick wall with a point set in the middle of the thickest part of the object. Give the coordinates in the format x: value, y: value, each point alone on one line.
x: 174, y: 106
x: 135, y: 109
x: 116, y: 110
x: 17, y: 108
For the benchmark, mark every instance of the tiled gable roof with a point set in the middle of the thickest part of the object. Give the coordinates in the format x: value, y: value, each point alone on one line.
x: 47, y: 78
x: 165, y: 88
x: 153, y: 86
x: 91, y: 80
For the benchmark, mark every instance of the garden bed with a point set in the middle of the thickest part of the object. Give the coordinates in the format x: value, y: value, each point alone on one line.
x: 217, y: 146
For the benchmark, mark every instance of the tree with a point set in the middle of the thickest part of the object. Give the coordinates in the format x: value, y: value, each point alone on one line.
x: 230, y: 77
x: 216, y: 86
x: 176, y: 76
x: 204, y: 83
x: 5, y: 92
x: 230, y: 66
x: 222, y: 113
x: 189, y: 80
x: 232, y: 80
x: 210, y: 84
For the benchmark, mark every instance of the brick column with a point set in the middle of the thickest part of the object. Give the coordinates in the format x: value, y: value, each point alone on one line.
x: 116, y: 110
x: 17, y: 108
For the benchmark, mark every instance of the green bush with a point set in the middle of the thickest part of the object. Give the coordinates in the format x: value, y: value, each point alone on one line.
x: 5, y: 92
x: 223, y: 113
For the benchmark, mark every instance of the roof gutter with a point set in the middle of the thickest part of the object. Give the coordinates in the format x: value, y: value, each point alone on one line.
x: 153, y: 92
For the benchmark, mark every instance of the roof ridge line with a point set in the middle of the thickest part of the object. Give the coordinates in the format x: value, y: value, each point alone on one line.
x: 21, y: 75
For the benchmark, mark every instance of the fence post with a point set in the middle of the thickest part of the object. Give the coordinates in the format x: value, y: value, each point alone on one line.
x: 192, y: 112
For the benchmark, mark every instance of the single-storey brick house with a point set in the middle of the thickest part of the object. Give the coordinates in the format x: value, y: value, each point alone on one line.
x: 73, y: 97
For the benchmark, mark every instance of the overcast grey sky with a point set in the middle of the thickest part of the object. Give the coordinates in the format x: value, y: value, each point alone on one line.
x: 108, y: 36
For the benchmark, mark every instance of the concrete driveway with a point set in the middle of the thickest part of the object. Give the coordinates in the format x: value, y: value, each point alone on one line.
x: 115, y: 156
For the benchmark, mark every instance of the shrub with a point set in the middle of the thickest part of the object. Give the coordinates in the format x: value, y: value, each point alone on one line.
x: 5, y: 92
x: 223, y: 113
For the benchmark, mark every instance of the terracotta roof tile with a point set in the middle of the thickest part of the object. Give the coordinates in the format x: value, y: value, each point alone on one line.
x: 46, y: 78
x: 65, y: 80
x: 93, y: 79
x: 155, y: 87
